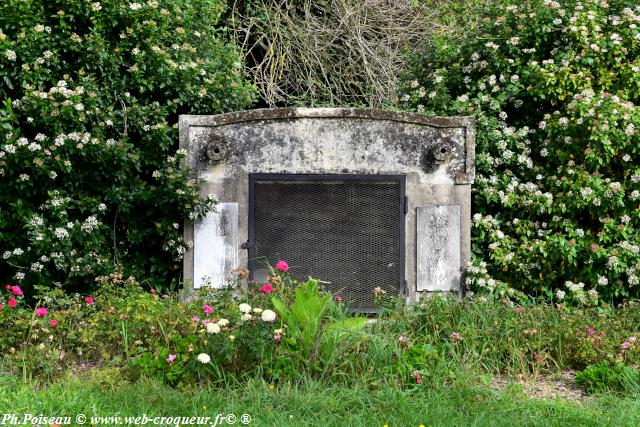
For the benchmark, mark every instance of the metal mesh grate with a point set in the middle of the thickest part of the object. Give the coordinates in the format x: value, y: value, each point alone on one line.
x: 345, y: 230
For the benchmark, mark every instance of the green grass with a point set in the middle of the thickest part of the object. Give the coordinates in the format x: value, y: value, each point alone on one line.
x: 314, y: 404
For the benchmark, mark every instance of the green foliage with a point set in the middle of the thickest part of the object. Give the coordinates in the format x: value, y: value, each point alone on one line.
x: 90, y: 95
x: 304, y: 317
x: 107, y: 379
x: 311, y: 342
x: 604, y: 377
x: 233, y: 334
x: 554, y: 88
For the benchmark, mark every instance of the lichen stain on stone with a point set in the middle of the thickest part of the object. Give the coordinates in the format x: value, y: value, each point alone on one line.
x: 333, y: 145
x: 331, y: 141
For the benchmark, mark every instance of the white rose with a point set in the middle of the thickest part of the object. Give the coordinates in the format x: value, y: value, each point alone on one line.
x: 244, y: 308
x: 268, y: 316
x: 223, y: 322
x: 203, y: 357
x: 246, y: 316
x: 213, y: 328
x: 257, y: 310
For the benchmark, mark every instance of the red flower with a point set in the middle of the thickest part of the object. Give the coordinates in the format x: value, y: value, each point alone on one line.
x: 12, y: 302
x: 41, y: 311
x: 89, y: 300
x: 266, y: 288
x: 282, y: 266
x: 338, y: 298
x: 16, y: 290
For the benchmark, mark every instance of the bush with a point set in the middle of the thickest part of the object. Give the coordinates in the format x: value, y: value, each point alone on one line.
x: 603, y: 377
x: 329, y: 52
x: 90, y: 96
x: 554, y: 88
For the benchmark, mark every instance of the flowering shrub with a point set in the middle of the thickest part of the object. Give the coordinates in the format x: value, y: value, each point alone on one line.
x: 243, y: 339
x: 90, y: 93
x: 555, y: 90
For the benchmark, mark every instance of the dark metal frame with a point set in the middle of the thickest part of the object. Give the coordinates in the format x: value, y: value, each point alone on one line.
x: 253, y: 177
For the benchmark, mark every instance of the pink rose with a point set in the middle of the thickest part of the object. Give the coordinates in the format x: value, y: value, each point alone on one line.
x: 207, y: 309
x: 282, y: 266
x: 41, y: 311
x: 12, y: 302
x: 417, y: 376
x: 16, y: 290
x: 171, y: 358
x: 266, y: 288
x: 277, y: 337
x: 0, y: 306
x: 590, y: 331
x: 339, y: 298
x: 625, y: 345
x: 89, y: 300
x: 53, y: 323
x: 195, y: 318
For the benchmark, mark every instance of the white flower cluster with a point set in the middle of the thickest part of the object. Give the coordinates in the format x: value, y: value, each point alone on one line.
x: 61, y: 233
x: 89, y: 224
x: 574, y: 287
x: 36, y: 221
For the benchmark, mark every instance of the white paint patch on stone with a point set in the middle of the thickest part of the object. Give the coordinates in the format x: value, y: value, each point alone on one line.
x: 440, y: 176
x: 215, y: 246
x: 438, y: 248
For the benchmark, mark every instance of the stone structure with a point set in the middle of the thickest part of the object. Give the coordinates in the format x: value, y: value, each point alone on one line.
x: 433, y: 155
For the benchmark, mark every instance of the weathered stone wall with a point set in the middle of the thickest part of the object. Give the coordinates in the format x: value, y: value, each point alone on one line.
x: 436, y: 155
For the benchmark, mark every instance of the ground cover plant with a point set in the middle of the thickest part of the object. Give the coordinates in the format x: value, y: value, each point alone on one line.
x: 554, y: 87
x: 90, y: 95
x: 287, y: 330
